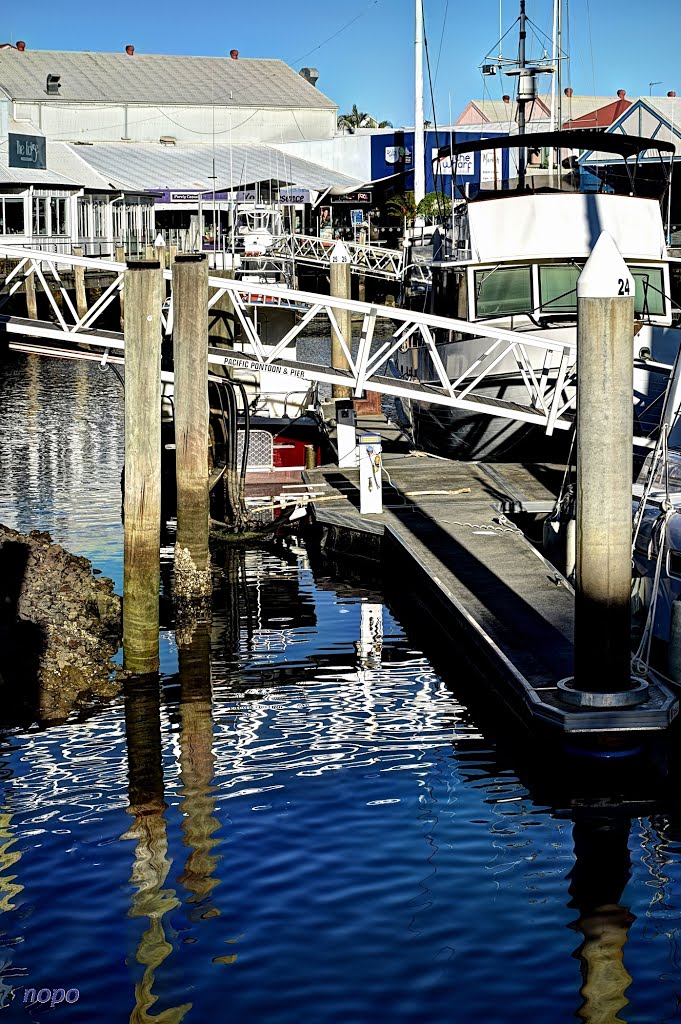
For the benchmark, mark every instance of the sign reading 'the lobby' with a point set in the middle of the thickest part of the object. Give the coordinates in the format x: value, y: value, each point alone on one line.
x: 27, y: 151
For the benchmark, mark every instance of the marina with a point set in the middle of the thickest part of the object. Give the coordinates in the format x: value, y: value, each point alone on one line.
x: 340, y: 523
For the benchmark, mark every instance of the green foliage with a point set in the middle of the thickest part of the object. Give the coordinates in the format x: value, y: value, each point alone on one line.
x: 402, y: 205
x: 359, y: 119
x: 435, y: 205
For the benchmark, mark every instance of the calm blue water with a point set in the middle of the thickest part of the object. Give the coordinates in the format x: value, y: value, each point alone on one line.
x: 306, y: 822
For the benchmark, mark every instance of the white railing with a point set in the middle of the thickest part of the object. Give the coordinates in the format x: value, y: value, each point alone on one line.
x: 544, y: 368
x: 369, y: 259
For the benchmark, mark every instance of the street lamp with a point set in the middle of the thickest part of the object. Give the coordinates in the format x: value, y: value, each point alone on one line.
x: 650, y: 87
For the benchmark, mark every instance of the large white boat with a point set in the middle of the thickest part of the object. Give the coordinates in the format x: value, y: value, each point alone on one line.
x: 516, y: 257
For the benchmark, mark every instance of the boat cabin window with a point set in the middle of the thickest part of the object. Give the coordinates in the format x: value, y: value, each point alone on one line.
x: 649, y: 300
x: 503, y: 290
x: 558, y: 289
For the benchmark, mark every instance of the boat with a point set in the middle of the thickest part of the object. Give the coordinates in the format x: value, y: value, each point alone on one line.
x: 512, y: 261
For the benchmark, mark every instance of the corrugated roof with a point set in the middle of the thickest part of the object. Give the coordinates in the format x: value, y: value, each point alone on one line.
x: 572, y: 108
x: 28, y: 176
x: 151, y: 165
x: 91, y: 77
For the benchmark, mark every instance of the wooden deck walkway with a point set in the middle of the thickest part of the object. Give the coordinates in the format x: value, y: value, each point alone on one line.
x: 448, y: 518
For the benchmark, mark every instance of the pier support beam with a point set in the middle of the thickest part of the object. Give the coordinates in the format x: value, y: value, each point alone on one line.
x: 190, y: 358
x: 142, y: 492
x: 339, y: 286
x: 605, y: 333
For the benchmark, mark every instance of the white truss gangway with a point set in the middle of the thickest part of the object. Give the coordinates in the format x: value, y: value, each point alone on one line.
x: 372, y: 260
x: 546, y: 367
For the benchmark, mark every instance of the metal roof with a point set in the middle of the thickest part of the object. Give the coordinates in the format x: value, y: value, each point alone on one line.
x: 90, y: 77
x: 152, y: 165
x: 27, y: 176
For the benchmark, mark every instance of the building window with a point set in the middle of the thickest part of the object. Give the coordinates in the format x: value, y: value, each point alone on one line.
x: 39, y: 216
x: 11, y: 215
x: 58, y: 218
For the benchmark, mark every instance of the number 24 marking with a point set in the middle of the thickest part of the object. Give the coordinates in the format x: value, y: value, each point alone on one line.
x: 623, y: 283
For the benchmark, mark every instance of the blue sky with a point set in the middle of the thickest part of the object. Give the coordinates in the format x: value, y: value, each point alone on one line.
x: 364, y: 48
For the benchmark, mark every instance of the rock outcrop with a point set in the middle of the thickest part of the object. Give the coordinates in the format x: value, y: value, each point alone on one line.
x: 60, y: 625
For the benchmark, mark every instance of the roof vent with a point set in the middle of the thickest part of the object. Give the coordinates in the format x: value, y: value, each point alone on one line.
x: 310, y: 75
x: 671, y: 94
x: 53, y: 85
x: 621, y: 93
x: 234, y: 54
x: 130, y: 49
x: 21, y: 45
x: 568, y: 91
x: 167, y: 140
x: 506, y: 98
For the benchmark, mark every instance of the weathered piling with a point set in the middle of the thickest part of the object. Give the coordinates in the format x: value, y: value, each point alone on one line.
x: 190, y: 358
x: 142, y: 492
x: 79, y: 281
x: 605, y: 332
x: 339, y: 286
x: 31, y: 301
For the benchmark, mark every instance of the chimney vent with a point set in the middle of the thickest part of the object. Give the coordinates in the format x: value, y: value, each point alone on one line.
x: 234, y: 54
x: 53, y: 85
x: 130, y: 49
x: 309, y: 74
x: 621, y: 93
x: 21, y: 45
x: 671, y: 94
x: 506, y: 98
x: 568, y: 91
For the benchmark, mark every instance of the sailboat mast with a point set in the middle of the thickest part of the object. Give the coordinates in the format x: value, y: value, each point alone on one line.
x: 521, y: 93
x: 419, y: 141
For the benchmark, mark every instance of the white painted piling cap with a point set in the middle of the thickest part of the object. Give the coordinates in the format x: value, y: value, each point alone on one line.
x: 339, y: 253
x: 605, y: 274
x: 159, y: 240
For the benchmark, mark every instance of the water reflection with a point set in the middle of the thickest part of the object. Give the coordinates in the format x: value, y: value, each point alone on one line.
x: 151, y: 865
x: 597, y: 881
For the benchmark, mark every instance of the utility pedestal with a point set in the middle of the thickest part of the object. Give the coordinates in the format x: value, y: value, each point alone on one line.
x: 370, y: 486
x: 346, y: 439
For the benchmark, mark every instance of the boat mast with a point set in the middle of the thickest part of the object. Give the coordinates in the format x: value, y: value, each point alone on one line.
x: 419, y: 141
x: 522, y: 95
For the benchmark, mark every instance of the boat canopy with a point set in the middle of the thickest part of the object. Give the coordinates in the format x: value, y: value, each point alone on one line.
x: 604, y: 142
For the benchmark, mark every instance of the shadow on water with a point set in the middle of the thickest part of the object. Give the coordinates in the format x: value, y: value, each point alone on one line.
x: 21, y: 643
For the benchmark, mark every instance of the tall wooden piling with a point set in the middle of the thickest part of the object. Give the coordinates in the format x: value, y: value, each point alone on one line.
x: 339, y: 286
x: 79, y: 281
x: 190, y: 357
x: 31, y: 300
x: 142, y: 493
x: 605, y: 333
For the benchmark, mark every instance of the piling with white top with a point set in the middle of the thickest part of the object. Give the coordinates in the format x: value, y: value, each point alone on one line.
x: 340, y: 288
x: 190, y: 363
x: 605, y: 334
x: 142, y: 489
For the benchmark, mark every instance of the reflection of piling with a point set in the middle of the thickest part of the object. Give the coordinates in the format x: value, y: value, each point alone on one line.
x: 197, y: 768
x: 604, y: 472
x: 79, y: 282
x: 190, y: 357
x: 340, y: 284
x: 597, y: 881
x: 151, y: 865
x: 142, y: 497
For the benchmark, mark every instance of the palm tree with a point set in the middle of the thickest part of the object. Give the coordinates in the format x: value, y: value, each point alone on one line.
x: 402, y: 205
x: 435, y: 205
x: 359, y: 119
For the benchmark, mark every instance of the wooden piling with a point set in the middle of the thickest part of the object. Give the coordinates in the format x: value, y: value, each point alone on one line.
x: 190, y: 357
x: 340, y: 285
x: 79, y: 279
x: 142, y: 491
x: 31, y: 300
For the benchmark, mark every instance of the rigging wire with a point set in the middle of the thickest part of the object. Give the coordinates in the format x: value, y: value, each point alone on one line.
x: 437, y: 173
x: 372, y: 3
x: 442, y: 36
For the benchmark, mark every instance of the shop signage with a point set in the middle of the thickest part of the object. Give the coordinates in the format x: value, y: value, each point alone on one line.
x: 27, y: 151
x: 294, y: 195
x: 354, y: 197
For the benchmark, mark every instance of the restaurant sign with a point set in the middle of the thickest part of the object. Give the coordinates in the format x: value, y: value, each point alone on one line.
x: 27, y: 151
x: 365, y: 196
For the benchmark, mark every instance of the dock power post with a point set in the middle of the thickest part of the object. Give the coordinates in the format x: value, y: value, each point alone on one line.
x: 605, y: 334
x: 370, y: 486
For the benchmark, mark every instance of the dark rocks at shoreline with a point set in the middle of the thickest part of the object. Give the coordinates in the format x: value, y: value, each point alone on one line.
x: 60, y: 626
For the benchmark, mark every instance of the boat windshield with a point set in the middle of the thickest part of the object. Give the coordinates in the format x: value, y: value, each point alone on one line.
x: 502, y: 290
x: 558, y: 289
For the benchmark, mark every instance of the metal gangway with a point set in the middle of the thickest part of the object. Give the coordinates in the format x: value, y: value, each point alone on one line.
x: 546, y: 367
x: 372, y: 260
